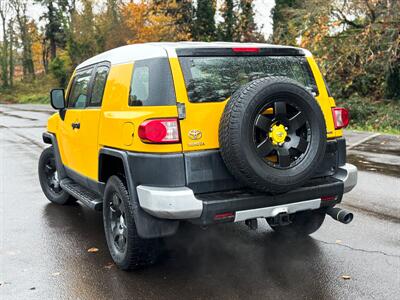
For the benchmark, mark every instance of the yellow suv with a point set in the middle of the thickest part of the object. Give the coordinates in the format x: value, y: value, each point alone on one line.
x: 158, y: 133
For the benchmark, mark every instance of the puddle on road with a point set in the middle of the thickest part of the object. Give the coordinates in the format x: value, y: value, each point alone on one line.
x: 383, y: 144
x: 363, y: 163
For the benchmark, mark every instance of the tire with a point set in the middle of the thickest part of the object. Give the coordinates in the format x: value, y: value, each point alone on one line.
x: 296, y: 158
x: 128, y: 250
x: 49, y: 180
x: 302, y: 223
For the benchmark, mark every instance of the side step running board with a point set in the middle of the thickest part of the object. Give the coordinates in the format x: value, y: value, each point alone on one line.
x: 85, y: 196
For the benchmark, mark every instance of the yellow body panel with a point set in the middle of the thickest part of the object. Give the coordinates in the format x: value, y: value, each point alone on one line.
x: 68, y: 139
x: 199, y: 116
x: 326, y: 103
x: 116, y: 123
x: 88, y: 157
x: 119, y: 122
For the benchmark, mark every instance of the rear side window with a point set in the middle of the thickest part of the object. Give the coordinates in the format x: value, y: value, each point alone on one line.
x: 214, y: 79
x: 151, y: 83
x: 80, y: 88
x: 99, y: 83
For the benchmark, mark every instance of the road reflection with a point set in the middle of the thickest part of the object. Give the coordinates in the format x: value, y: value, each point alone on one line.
x: 225, y: 260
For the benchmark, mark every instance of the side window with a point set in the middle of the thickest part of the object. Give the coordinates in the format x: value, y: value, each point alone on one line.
x: 139, y: 86
x: 79, y: 91
x: 151, y: 83
x: 99, y: 83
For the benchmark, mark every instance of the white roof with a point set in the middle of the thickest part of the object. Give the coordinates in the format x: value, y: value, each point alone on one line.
x: 130, y: 53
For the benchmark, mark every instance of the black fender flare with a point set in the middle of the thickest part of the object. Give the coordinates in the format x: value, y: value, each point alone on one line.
x: 50, y: 138
x: 146, y: 225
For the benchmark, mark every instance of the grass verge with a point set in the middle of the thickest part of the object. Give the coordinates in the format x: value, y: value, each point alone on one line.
x: 367, y: 115
x: 35, y: 91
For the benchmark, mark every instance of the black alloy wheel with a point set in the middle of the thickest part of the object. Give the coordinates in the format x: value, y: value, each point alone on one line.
x: 49, y: 180
x: 52, y: 176
x: 117, y: 224
x: 282, y: 137
x: 127, y: 248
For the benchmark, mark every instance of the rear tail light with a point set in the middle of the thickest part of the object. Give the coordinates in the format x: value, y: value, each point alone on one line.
x: 341, y: 117
x: 160, y: 131
x: 246, y: 49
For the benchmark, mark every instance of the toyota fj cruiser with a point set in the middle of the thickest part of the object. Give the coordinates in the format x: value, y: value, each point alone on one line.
x: 158, y: 133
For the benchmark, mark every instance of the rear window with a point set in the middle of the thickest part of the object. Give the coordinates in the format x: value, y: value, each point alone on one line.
x: 214, y: 79
x: 151, y: 83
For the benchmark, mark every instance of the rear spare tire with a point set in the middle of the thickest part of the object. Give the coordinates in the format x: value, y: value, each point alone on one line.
x: 272, y: 134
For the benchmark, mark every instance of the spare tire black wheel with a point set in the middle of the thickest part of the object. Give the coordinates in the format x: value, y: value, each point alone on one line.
x: 272, y: 134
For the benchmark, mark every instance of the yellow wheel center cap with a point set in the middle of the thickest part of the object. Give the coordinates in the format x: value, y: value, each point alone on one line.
x: 278, y: 134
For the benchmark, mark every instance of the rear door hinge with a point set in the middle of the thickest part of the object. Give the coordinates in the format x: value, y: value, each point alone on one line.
x: 181, y: 110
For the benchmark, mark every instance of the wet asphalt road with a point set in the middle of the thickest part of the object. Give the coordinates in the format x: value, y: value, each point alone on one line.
x: 43, y: 247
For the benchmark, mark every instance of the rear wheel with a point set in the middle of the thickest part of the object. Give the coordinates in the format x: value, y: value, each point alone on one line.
x: 301, y: 223
x: 49, y: 181
x: 127, y: 248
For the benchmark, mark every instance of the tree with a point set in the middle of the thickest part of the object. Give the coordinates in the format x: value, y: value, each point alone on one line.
x: 286, y: 21
x: 82, y: 39
x: 247, y: 30
x: 227, y: 28
x: 5, y: 9
x: 55, y: 23
x: 179, y: 11
x: 149, y: 22
x: 204, y: 23
x: 11, y: 52
x: 20, y: 8
x: 356, y: 42
x: 111, y: 32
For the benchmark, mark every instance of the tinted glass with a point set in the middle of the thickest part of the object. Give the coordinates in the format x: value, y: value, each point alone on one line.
x: 213, y: 79
x: 79, y: 91
x: 151, y: 83
x: 99, y: 84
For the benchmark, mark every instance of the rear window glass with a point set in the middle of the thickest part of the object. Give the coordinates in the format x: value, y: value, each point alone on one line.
x: 151, y: 83
x: 214, y: 79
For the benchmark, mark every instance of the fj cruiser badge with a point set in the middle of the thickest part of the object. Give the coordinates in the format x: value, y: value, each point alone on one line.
x: 195, y: 134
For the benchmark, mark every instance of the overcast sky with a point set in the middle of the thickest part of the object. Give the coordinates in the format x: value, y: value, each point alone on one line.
x: 262, y: 11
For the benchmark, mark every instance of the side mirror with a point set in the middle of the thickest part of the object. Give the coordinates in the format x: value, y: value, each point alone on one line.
x: 57, y: 98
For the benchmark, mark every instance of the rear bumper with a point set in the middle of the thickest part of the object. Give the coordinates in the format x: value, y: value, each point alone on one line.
x: 181, y: 203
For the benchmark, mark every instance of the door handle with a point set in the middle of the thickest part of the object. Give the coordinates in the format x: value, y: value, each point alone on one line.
x: 76, y: 125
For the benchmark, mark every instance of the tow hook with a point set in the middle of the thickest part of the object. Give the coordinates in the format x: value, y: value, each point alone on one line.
x: 340, y: 215
x: 281, y: 219
x: 252, y: 224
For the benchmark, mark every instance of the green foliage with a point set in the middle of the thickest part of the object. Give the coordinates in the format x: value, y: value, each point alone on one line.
x: 383, y: 116
x: 35, y: 91
x: 61, y: 67
x: 82, y: 42
x: 238, y: 23
x: 35, y: 98
x: 392, y: 83
x: 226, y: 29
x: 204, y: 23
x: 247, y: 30
x: 356, y: 42
x: 56, y: 22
